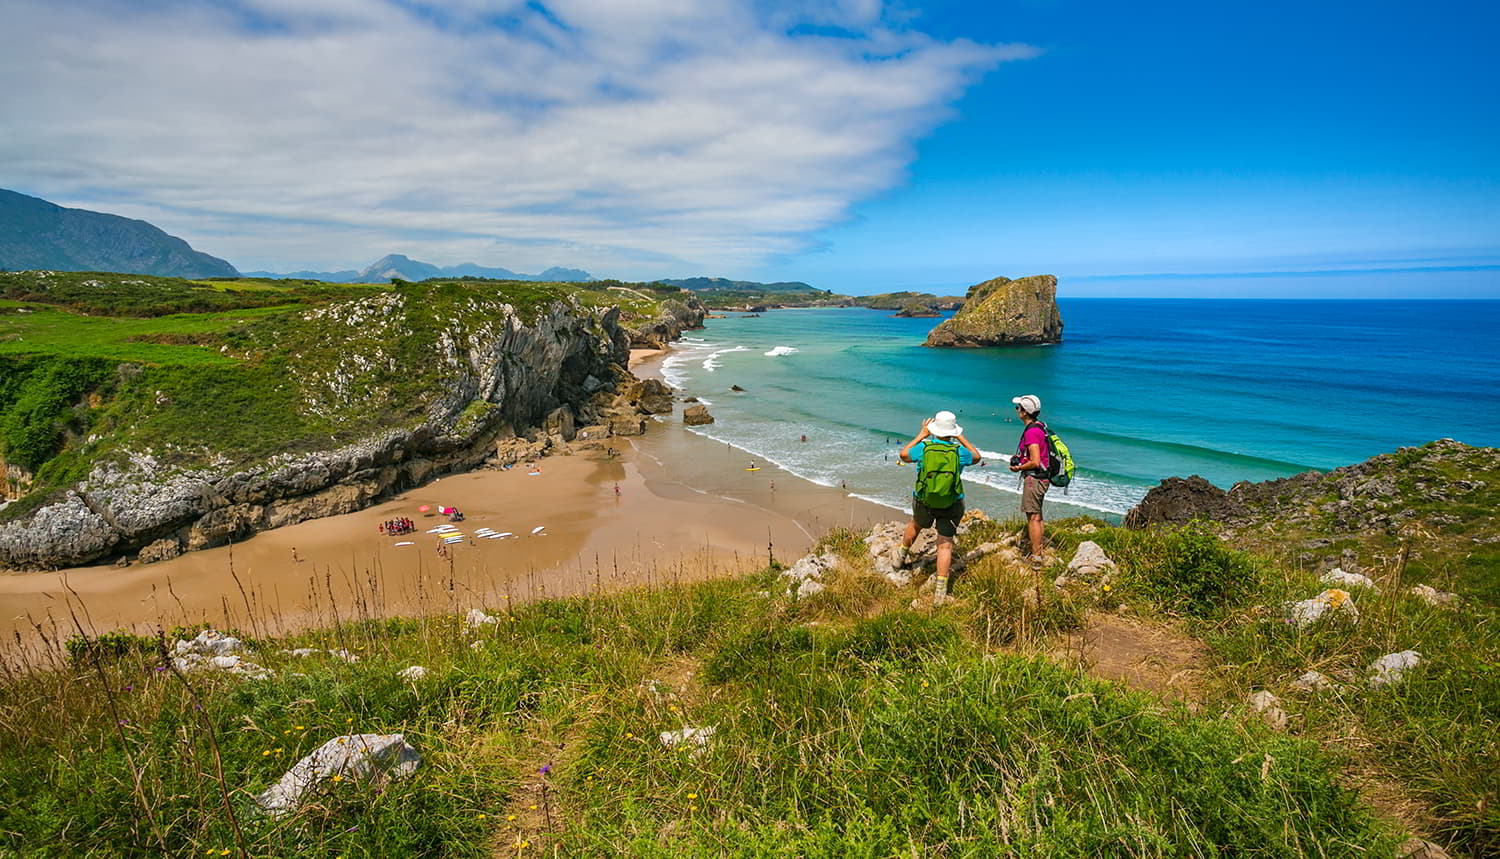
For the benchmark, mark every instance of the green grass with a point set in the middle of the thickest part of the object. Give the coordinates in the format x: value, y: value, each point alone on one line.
x: 873, y: 732
x: 1435, y: 735
x: 146, y: 340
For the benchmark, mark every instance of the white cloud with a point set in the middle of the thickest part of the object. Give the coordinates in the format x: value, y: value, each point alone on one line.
x: 631, y: 138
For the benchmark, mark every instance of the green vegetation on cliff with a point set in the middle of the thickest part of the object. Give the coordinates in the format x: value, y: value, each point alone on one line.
x: 237, y: 371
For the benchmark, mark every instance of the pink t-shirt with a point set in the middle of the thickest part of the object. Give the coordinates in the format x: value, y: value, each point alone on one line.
x: 1034, y: 434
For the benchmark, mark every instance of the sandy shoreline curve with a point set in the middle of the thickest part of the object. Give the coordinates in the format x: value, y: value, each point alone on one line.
x: 671, y: 506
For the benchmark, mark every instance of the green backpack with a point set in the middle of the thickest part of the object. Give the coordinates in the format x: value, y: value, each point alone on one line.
x: 938, y: 486
x: 1060, y: 466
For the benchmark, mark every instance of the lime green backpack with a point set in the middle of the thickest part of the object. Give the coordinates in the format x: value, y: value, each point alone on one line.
x: 1060, y: 466
x: 938, y: 486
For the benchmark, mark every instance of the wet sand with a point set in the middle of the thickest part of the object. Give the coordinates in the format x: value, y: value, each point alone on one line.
x: 685, y: 509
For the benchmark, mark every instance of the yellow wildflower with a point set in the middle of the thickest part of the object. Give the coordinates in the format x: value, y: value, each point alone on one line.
x: 266, y: 753
x: 629, y: 736
x: 692, y: 796
x: 338, y: 778
x: 532, y: 807
x: 510, y: 817
x: 481, y: 817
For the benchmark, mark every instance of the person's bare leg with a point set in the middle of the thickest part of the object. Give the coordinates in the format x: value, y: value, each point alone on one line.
x: 944, y: 562
x: 1034, y: 531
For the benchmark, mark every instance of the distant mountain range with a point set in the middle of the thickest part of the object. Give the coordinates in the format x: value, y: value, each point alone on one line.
x: 36, y: 234
x: 400, y: 266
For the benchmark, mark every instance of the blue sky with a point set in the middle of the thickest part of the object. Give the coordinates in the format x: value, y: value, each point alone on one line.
x: 1320, y: 149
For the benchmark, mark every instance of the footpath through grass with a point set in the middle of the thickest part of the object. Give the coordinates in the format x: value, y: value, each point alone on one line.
x: 845, y: 725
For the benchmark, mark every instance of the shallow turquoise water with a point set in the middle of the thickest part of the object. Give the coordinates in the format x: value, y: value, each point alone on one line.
x: 1140, y: 390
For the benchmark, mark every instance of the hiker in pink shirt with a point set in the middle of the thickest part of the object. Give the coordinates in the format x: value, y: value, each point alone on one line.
x: 1031, y: 460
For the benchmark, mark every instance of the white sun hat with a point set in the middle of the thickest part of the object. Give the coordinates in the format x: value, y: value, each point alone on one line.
x: 945, y: 425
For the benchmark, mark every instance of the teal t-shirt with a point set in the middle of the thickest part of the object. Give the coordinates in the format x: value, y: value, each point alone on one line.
x: 964, y: 458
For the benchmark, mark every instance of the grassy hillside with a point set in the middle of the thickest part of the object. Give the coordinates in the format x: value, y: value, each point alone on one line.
x: 847, y: 724
x: 95, y: 364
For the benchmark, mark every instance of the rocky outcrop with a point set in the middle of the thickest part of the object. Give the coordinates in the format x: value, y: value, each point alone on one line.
x: 1177, y: 500
x: 675, y: 317
x: 696, y: 415
x: 916, y: 311
x: 506, y: 374
x: 1004, y: 312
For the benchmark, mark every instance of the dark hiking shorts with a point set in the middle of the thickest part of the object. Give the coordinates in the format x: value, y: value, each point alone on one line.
x: 946, y: 519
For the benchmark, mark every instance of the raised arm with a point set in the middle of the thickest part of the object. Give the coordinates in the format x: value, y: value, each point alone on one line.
x: 905, y: 455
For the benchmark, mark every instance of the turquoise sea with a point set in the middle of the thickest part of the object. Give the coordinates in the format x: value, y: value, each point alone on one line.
x: 1141, y: 389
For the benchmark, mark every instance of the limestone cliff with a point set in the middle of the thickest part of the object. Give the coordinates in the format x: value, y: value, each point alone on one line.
x: 1004, y: 312
x: 675, y: 317
x: 403, y: 385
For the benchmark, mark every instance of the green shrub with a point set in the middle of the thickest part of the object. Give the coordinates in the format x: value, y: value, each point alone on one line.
x: 1198, y: 575
x: 38, y: 407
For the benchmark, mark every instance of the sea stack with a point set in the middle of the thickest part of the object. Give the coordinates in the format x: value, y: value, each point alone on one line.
x: 1004, y: 312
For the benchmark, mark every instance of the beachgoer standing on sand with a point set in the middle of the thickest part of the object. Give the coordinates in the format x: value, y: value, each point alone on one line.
x: 1032, y: 461
x: 933, y: 445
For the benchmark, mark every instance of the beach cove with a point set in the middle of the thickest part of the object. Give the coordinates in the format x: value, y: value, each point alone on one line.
x: 686, y: 509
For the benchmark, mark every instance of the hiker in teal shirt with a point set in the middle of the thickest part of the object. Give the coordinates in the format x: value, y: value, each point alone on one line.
x: 944, y: 429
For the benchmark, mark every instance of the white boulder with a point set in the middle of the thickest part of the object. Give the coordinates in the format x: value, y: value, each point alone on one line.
x: 1269, y: 708
x: 1392, y: 668
x: 364, y: 757
x: 214, y: 651
x: 1312, y: 681
x: 477, y: 619
x: 1329, y: 603
x: 1433, y: 596
x: 1337, y: 576
x: 689, y: 736
x: 1091, y: 564
x: 807, y: 574
x: 210, y: 642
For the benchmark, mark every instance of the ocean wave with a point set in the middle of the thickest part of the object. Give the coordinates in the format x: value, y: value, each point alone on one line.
x: 778, y: 351
x: 712, y: 363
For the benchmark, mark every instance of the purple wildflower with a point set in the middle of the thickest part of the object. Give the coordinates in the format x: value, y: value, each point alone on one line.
x: 546, y: 769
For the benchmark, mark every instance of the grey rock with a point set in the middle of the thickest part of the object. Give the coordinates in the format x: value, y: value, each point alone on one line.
x: 362, y: 757
x: 696, y: 415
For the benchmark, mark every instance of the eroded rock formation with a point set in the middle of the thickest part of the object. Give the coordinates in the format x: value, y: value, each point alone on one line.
x: 1004, y: 312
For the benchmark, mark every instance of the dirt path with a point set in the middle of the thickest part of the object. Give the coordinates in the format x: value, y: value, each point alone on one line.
x: 1145, y: 655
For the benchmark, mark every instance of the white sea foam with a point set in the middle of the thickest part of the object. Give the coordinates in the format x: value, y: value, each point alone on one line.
x: 712, y: 363
x: 778, y: 351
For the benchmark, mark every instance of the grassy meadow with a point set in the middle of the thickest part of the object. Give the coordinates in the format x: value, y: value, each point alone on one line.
x: 846, y: 724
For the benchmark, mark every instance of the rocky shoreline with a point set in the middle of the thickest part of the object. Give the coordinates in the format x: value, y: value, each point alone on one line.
x: 526, y: 390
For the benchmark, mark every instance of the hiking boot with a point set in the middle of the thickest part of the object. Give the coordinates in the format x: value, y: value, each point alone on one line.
x: 1037, y: 562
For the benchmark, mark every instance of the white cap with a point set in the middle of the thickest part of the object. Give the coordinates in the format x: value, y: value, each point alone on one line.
x: 1031, y: 403
x: 945, y: 425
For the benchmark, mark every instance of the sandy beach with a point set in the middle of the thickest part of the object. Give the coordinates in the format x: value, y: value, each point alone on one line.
x: 671, y: 506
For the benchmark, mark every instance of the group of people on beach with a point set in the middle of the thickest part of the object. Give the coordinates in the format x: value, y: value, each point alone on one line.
x: 397, y: 527
x: 933, y: 446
